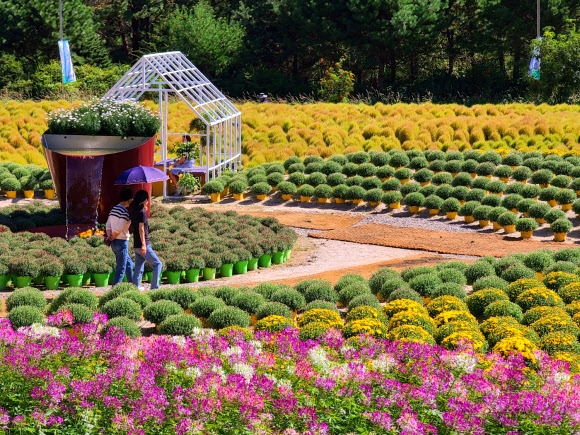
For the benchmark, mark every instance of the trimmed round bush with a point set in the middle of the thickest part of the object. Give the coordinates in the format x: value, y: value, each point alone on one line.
x: 536, y: 313
x: 349, y: 278
x: 320, y: 292
x: 225, y: 293
x: 373, y: 195
x: 522, y: 173
x: 405, y: 293
x: 516, y: 288
x: 503, y: 171
x: 516, y: 272
x: 468, y: 208
x: 548, y: 193
x: 462, y: 179
x: 511, y: 201
x: 183, y: 295
x: 319, y: 315
x: 366, y: 170
x: 365, y: 326
x: 313, y: 331
x: 305, y: 190
x: 365, y: 312
x: 524, y: 205
x: 202, y: 307
x: 538, y: 261
x: 554, y: 215
x: 459, y: 192
x: 385, y: 172
x: 381, y: 276
x: 248, y: 301
x: 80, y: 313
x: 391, y: 185
x: 26, y: 296
x: 542, y: 176
x: 478, y: 270
x: 266, y: 289
x: 179, y: 324
x: 229, y: 316
x: 25, y: 315
x: 561, y: 266
x: 410, y: 273
x: 393, y: 307
x: 316, y: 179
x: 273, y: 309
x: 330, y: 167
x: 490, y: 282
x: 351, y: 291
x: 274, y: 324
x: 449, y: 274
x: 450, y: 289
x: 493, y: 201
x: 537, y: 297
x: 127, y: 326
x: 441, y: 304
x: 391, y: 198
x: 561, y: 226
x: 297, y: 178
x: 570, y: 293
x: 433, y: 202
x: 479, y: 300
x: 503, y: 308
x: 425, y: 284
x: 392, y: 285
x: 355, y: 193
x: 480, y: 183
x: 115, y: 292
x: 453, y: 166
x: 293, y: 299
x: 530, y: 191
x: 323, y: 305
x: 403, y: 174
x: 548, y: 325
x: 122, y: 307
x: 455, y: 327
x: 364, y: 299
x: 556, y: 342
x: 469, y: 165
x: 556, y: 280
x: 412, y: 318
x: 334, y: 179
x: 455, y: 264
x: 565, y: 196
x: 442, y: 178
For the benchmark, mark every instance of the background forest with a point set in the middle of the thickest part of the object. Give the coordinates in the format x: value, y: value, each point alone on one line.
x: 465, y: 51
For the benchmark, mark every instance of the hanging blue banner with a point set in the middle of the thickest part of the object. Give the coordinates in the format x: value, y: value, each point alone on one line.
x: 68, y: 73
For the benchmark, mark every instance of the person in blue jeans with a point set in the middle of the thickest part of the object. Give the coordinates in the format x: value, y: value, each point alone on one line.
x: 143, y: 251
x: 118, y: 233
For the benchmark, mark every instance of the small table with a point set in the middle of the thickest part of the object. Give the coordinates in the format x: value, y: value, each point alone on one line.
x: 189, y: 167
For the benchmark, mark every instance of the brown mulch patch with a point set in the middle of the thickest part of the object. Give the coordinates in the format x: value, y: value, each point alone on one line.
x: 309, y: 221
x: 464, y: 243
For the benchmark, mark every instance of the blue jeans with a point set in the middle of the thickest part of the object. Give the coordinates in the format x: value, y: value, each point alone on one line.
x: 150, y: 258
x: 124, y: 263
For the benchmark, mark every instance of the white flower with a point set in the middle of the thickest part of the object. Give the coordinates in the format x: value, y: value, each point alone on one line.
x: 384, y: 363
x: 234, y: 350
x: 193, y: 372
x: 246, y: 370
x: 318, y: 357
x: 37, y: 330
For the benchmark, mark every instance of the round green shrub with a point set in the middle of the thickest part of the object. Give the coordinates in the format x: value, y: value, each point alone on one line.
x: 274, y: 179
x: 556, y: 342
x: 366, y: 170
x: 274, y: 324
x: 248, y: 301
x: 128, y: 326
x: 323, y: 191
x: 297, y: 178
x: 469, y: 165
x: 450, y: 289
x: 516, y: 272
x: 158, y: 311
x: 459, y: 192
x: 425, y: 284
x: 441, y: 304
x: 453, y: 327
x: 538, y: 261
x: 391, y: 197
x: 202, y: 307
x: 373, y: 195
x: 560, y: 181
x: 548, y: 325
x: 385, y: 172
x: 548, y: 193
x: 452, y: 275
x: 305, y: 190
x: 410, y: 273
x: 381, y: 276
x: 561, y: 266
x: 215, y: 186
x: 556, y: 280
x: 266, y: 289
x: 503, y: 171
x: 398, y: 160
x: 554, y: 215
x: 364, y: 299
x: 25, y: 315
x: 405, y: 293
x: 524, y: 205
x: 324, y: 305
x: 453, y: 166
x: 536, y: 313
x: 80, y: 313
x: 26, y: 296
x: 351, y: 291
x: 503, y: 308
x: 229, y: 316
x: 444, y: 191
x: 354, y: 181
x: 455, y: 264
x: 562, y: 225
x: 477, y: 270
x: 316, y: 179
x: 117, y: 291
x: 442, y: 178
x: 542, y: 176
x: 142, y: 299
x: 511, y: 201
x: 565, y: 196
x: 433, y: 202
x: 183, y: 295
x: 490, y: 282
x: 273, y: 309
x: 340, y: 191
x: 479, y: 300
x: 394, y: 284
x: 451, y: 205
x: 261, y: 188
x: 179, y: 324
x: 122, y: 307
x: 570, y: 293
x: 522, y: 173
x: 349, y: 278
x: 462, y: 179
x: 403, y: 174
x: 334, y: 179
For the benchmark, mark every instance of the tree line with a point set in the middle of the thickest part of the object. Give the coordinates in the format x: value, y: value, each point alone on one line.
x: 391, y: 50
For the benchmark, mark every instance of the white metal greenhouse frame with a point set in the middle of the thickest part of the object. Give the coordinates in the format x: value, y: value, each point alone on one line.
x: 173, y: 73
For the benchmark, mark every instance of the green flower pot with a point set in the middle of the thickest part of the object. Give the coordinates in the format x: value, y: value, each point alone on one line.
x: 4, y: 281
x: 227, y: 270
x: 192, y: 275
x: 101, y: 279
x: 253, y: 264
x: 124, y: 278
x: 147, y: 276
x: 287, y: 253
x: 209, y: 273
x: 74, y: 280
x: 173, y: 277
x: 22, y: 281
x: 87, y: 278
x: 51, y: 282
x: 265, y: 260
x: 39, y: 280
x: 241, y: 267
x: 278, y: 257
x: 111, y: 278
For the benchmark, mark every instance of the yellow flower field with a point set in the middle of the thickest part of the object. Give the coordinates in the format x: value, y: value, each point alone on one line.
x: 274, y: 132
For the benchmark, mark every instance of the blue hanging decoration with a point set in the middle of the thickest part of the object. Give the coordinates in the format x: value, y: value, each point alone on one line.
x: 535, y: 61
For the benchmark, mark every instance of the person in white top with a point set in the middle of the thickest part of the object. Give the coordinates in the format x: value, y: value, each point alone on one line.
x: 117, y: 228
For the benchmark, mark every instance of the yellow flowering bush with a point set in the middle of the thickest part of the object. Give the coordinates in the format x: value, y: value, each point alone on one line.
x: 503, y: 309
x: 573, y: 308
x: 397, y: 305
x: 411, y: 318
x: 536, y: 313
x: 549, y: 324
x: 452, y: 341
x: 559, y: 342
x: 273, y: 323
x: 537, y: 297
x: 447, y: 329
x: 454, y: 315
x: 493, y: 323
x: 365, y: 326
x: 516, y: 344
x: 319, y: 315
x: 514, y: 289
x: 556, y: 280
x: 410, y: 333
x: 570, y: 293
x: 508, y: 331
x: 365, y: 312
x: 445, y: 303
x: 313, y: 330
x: 477, y: 301
x: 573, y: 359
x: 246, y: 332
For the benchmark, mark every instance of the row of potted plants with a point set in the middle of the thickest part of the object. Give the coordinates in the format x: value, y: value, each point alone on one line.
x: 26, y: 178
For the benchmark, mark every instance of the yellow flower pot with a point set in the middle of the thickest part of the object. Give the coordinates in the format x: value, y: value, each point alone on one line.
x: 559, y: 237
x: 28, y: 193
x: 496, y: 226
x: 238, y: 196
x: 395, y: 205
x: 473, y: 174
x: 552, y: 203
x: 566, y: 207
x: 526, y: 234
x: 322, y: 200
x: 253, y: 320
x: 524, y: 181
x: 49, y: 193
x: 578, y: 192
x: 509, y: 229
x: 385, y: 179
x: 489, y: 176
x: 543, y: 186
x: 286, y: 196
x: 425, y: 183
x: 451, y: 215
x: 414, y: 208
x: 461, y: 201
x: 357, y: 201
x: 261, y: 197
x: 541, y: 221
x: 11, y: 194
x: 215, y: 197
x: 339, y: 200
x: 526, y: 214
x: 405, y: 180
x: 483, y: 223
x: 505, y: 179
x: 513, y: 168
x: 539, y: 276
x: 469, y: 219
x: 225, y: 192
x: 374, y: 204
x: 304, y: 199
x: 454, y: 174
x: 274, y: 188
x: 434, y: 211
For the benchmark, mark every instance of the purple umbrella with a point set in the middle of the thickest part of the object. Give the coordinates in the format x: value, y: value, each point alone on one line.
x: 141, y: 174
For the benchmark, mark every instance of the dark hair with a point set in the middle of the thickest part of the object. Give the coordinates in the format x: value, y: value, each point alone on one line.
x: 187, y: 138
x: 125, y: 195
x: 139, y: 200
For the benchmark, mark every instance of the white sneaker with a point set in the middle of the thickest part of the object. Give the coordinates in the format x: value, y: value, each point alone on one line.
x: 141, y: 288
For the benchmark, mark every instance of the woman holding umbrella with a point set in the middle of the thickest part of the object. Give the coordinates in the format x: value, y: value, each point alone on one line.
x: 143, y: 251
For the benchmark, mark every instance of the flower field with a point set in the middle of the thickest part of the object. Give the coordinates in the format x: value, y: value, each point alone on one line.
x: 274, y: 132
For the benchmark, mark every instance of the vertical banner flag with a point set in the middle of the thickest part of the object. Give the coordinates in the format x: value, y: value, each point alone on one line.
x: 68, y: 73
x: 535, y: 62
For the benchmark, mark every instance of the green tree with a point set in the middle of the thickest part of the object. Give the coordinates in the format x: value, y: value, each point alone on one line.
x: 211, y: 43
